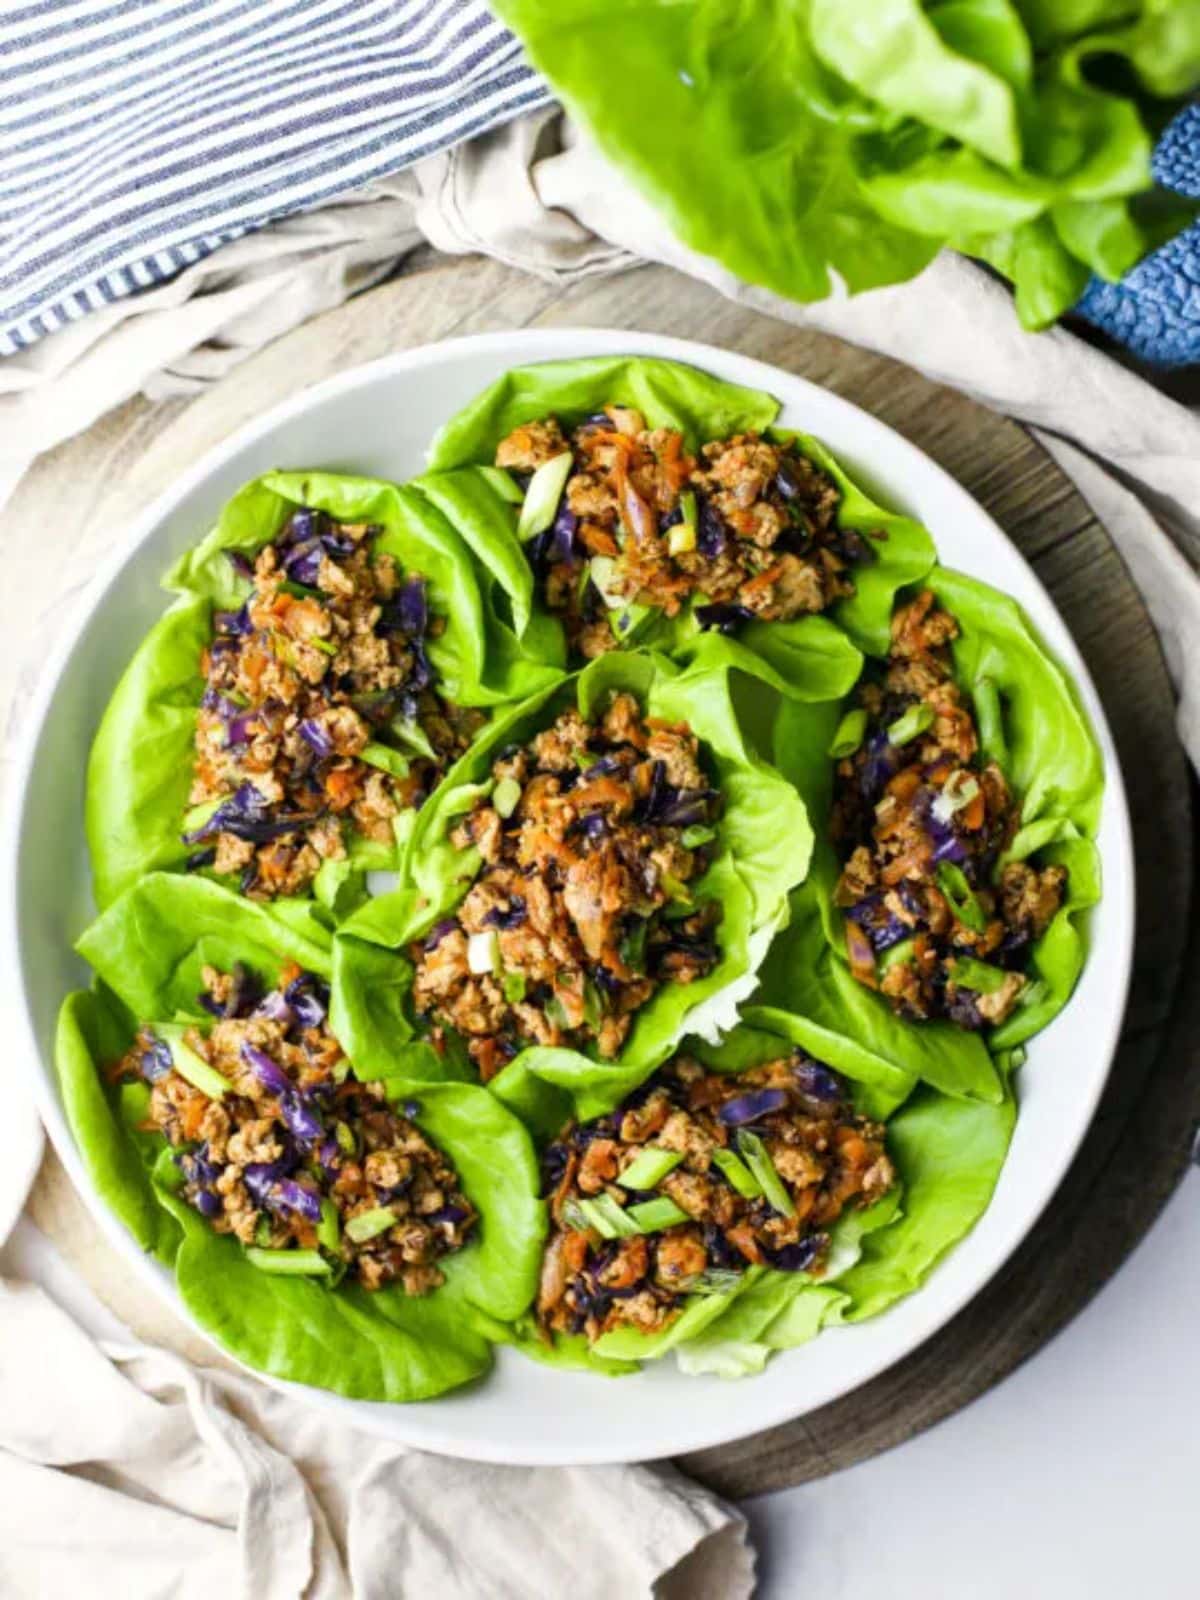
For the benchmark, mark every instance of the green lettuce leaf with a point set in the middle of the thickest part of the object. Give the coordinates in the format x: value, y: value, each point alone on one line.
x: 150, y: 945
x: 807, y: 657
x: 799, y: 141
x: 382, y: 1346
x: 140, y: 767
x: 763, y: 845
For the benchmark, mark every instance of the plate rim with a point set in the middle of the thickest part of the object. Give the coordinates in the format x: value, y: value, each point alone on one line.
x: 519, y: 347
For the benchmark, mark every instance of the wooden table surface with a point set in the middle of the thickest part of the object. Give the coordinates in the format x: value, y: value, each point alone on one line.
x: 77, y: 501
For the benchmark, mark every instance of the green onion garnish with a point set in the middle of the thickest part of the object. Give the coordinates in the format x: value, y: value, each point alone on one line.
x: 653, y: 1215
x: 325, y: 646
x: 262, y: 1231
x: 1034, y: 993
x: 895, y: 954
x: 952, y: 881
x: 737, y: 1174
x: 989, y: 717
x: 648, y: 1168
x: 914, y: 721
x: 329, y: 1229
x: 506, y: 796
x: 620, y: 1226
x: 543, y: 494
x: 697, y: 834
x: 513, y: 984
x: 345, y: 1137
x: 385, y: 758
x: 849, y: 734
x: 632, y: 948
x: 289, y: 1263
x: 369, y: 1224
x: 717, y: 1280
x: 757, y: 1158
x: 674, y: 890
x: 193, y: 1067
x: 978, y: 975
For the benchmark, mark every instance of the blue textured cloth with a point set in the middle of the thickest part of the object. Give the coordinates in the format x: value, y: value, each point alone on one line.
x: 1155, y: 309
x: 138, y: 136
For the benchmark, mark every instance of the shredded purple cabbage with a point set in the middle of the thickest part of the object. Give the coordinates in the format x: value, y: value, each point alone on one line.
x: 297, y: 1197
x: 316, y: 738
x: 749, y: 1107
x: 155, y: 1061
x: 309, y: 999
x: 439, y: 931
x: 512, y: 918
x: 710, y: 532
x: 816, y: 1081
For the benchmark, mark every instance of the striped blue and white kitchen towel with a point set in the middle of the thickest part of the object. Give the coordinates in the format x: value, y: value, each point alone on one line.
x: 137, y: 136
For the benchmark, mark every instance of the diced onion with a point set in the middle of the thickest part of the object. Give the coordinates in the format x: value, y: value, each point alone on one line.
x: 481, y: 952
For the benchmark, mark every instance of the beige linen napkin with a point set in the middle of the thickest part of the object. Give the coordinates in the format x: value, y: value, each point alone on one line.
x: 125, y: 1473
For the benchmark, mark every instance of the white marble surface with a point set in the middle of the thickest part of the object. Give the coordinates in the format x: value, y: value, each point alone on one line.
x: 1074, y: 1480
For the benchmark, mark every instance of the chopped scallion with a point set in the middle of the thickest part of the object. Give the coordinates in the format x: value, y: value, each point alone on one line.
x: 506, y: 796
x: 651, y: 1216
x: 543, y: 494
x: 757, y: 1157
x: 848, y: 734
x: 737, y: 1174
x: 952, y: 881
x: 978, y: 975
x: 370, y: 1224
x: 697, y: 834
x: 913, y: 722
x: 648, y: 1168
x: 289, y: 1263
x: 329, y: 1229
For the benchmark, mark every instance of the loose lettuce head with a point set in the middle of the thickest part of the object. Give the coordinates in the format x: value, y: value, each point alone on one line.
x: 763, y: 847
x: 1046, y: 747
x: 808, y: 657
x: 140, y: 768
x: 381, y: 1346
x: 801, y: 142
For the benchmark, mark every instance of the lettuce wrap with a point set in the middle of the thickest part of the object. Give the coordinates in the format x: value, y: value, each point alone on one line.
x: 808, y: 657
x: 948, y: 1153
x: 147, y: 949
x: 141, y: 763
x: 1044, y: 744
x: 762, y: 850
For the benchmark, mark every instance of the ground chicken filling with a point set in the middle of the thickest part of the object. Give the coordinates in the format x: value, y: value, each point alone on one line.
x: 921, y: 820
x: 292, y: 1156
x: 694, y: 1178
x: 593, y: 837
x: 749, y: 529
x: 319, y: 713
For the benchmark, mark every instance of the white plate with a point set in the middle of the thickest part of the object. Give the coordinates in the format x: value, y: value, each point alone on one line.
x: 379, y: 419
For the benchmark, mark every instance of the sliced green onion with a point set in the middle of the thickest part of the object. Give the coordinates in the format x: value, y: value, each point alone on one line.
x: 653, y: 1215
x: 632, y: 948
x: 289, y: 1263
x: 952, y: 881
x: 717, y: 1280
x: 989, y: 716
x: 262, y: 1231
x: 849, y: 734
x: 506, y: 796
x: 370, y: 1224
x: 604, y: 1206
x: 300, y: 591
x: 697, y: 834
x: 325, y: 646
x: 687, y: 507
x: 345, y: 1137
x: 895, y: 954
x: 978, y: 975
x: 329, y: 1229
x: 194, y: 818
x: 193, y: 1067
x: 593, y: 1005
x: 340, y: 1070
x: 385, y: 758
x: 675, y: 890
x: 556, y: 1012
x: 572, y: 1215
x: 604, y: 576
x: 648, y: 1168
x: 543, y: 494
x: 513, y: 984
x: 757, y: 1158
x: 738, y: 1174
x: 589, y: 1218
x: 410, y: 732
x: 914, y: 721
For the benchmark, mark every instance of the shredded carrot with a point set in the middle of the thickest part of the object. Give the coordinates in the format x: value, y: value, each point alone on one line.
x: 341, y: 787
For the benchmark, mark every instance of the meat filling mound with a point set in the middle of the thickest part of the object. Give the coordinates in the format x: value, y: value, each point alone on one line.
x: 694, y: 1178
x: 593, y: 837
x: 319, y: 712
x: 749, y: 529
x: 294, y: 1155
x: 921, y: 820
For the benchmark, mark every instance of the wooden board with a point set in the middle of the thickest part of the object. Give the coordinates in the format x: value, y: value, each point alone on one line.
x: 78, y: 500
